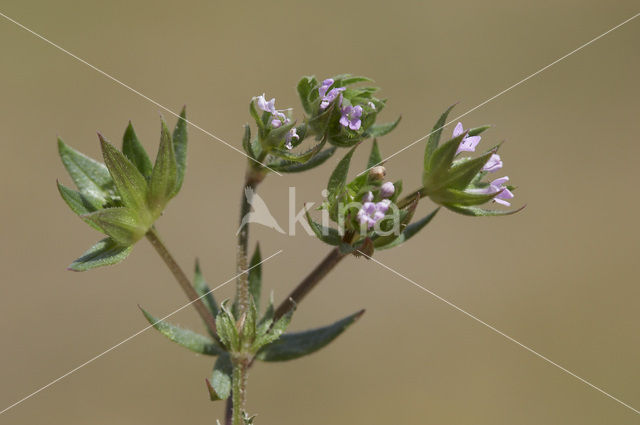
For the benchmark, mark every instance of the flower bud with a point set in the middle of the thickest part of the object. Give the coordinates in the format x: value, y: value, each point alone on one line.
x: 377, y: 173
x: 387, y: 190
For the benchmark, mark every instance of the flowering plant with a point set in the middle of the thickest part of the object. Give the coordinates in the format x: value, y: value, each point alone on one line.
x: 123, y: 198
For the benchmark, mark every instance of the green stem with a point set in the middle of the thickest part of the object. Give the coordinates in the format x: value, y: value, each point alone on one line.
x: 183, y: 280
x: 253, y: 177
x: 239, y: 391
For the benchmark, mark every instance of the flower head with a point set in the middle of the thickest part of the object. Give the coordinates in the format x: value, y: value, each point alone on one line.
x: 372, y: 212
x: 498, y: 187
x: 331, y: 96
x: 493, y: 164
x: 351, y: 117
x: 468, y: 143
x: 267, y: 106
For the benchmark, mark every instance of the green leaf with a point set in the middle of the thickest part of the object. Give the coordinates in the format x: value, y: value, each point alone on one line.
x: 477, y: 130
x: 379, y: 130
x: 134, y: 151
x: 327, y: 235
x: 246, y: 141
x: 165, y: 173
x: 104, y: 253
x: 346, y: 79
x: 180, y: 140
x: 119, y: 223
x: 460, y: 197
x: 254, y: 113
x: 184, y: 337
x: 91, y: 177
x: 220, y: 385
x: 481, y: 212
x: 442, y: 157
x: 461, y: 175
x: 305, y: 86
x: 294, y: 345
x: 434, y: 138
x: 374, y: 157
x: 131, y: 185
x: 79, y: 204
x: 296, y: 167
x: 226, y: 327
x: 411, y: 230
x: 255, y: 276
x: 202, y: 288
x: 276, y: 330
x: 338, y: 178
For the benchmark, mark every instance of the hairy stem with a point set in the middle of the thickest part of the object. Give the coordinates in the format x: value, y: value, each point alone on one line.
x: 183, y: 280
x: 313, y: 278
x: 253, y: 178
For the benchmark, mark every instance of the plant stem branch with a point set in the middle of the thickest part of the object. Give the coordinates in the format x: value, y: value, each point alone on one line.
x: 253, y: 177
x: 313, y: 278
x: 183, y: 280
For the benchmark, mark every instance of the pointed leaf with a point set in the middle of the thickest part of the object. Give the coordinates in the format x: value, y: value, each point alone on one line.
x: 296, y: 167
x: 339, y: 176
x: 134, y: 151
x: 180, y: 140
x: 220, y: 385
x: 226, y: 327
x: 294, y: 345
x: 202, y: 288
x: 411, y: 230
x: 305, y: 86
x: 131, y: 185
x: 79, y: 204
x: 165, y: 173
x: 91, y: 177
x: 246, y: 142
x: 119, y: 223
x: 442, y: 158
x: 481, y: 212
x: 379, y: 130
x: 461, y: 175
x: 255, y: 277
x: 434, y: 138
x: 327, y: 235
x: 104, y: 253
x: 184, y: 337
x: 374, y: 157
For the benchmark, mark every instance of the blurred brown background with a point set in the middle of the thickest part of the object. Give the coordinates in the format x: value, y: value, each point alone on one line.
x: 561, y: 277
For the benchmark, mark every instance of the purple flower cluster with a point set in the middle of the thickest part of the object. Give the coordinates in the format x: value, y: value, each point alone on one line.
x: 278, y: 117
x: 497, y: 186
x: 372, y: 212
x: 350, y: 114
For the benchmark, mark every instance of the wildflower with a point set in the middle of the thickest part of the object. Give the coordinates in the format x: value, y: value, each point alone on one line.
x: 322, y: 90
x: 493, y: 164
x: 372, y: 105
x: 351, y: 117
x: 368, y: 197
x: 292, y: 134
x: 372, y: 212
x: 387, y: 189
x: 270, y: 106
x: 468, y: 143
x: 267, y: 106
x: 497, y: 186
